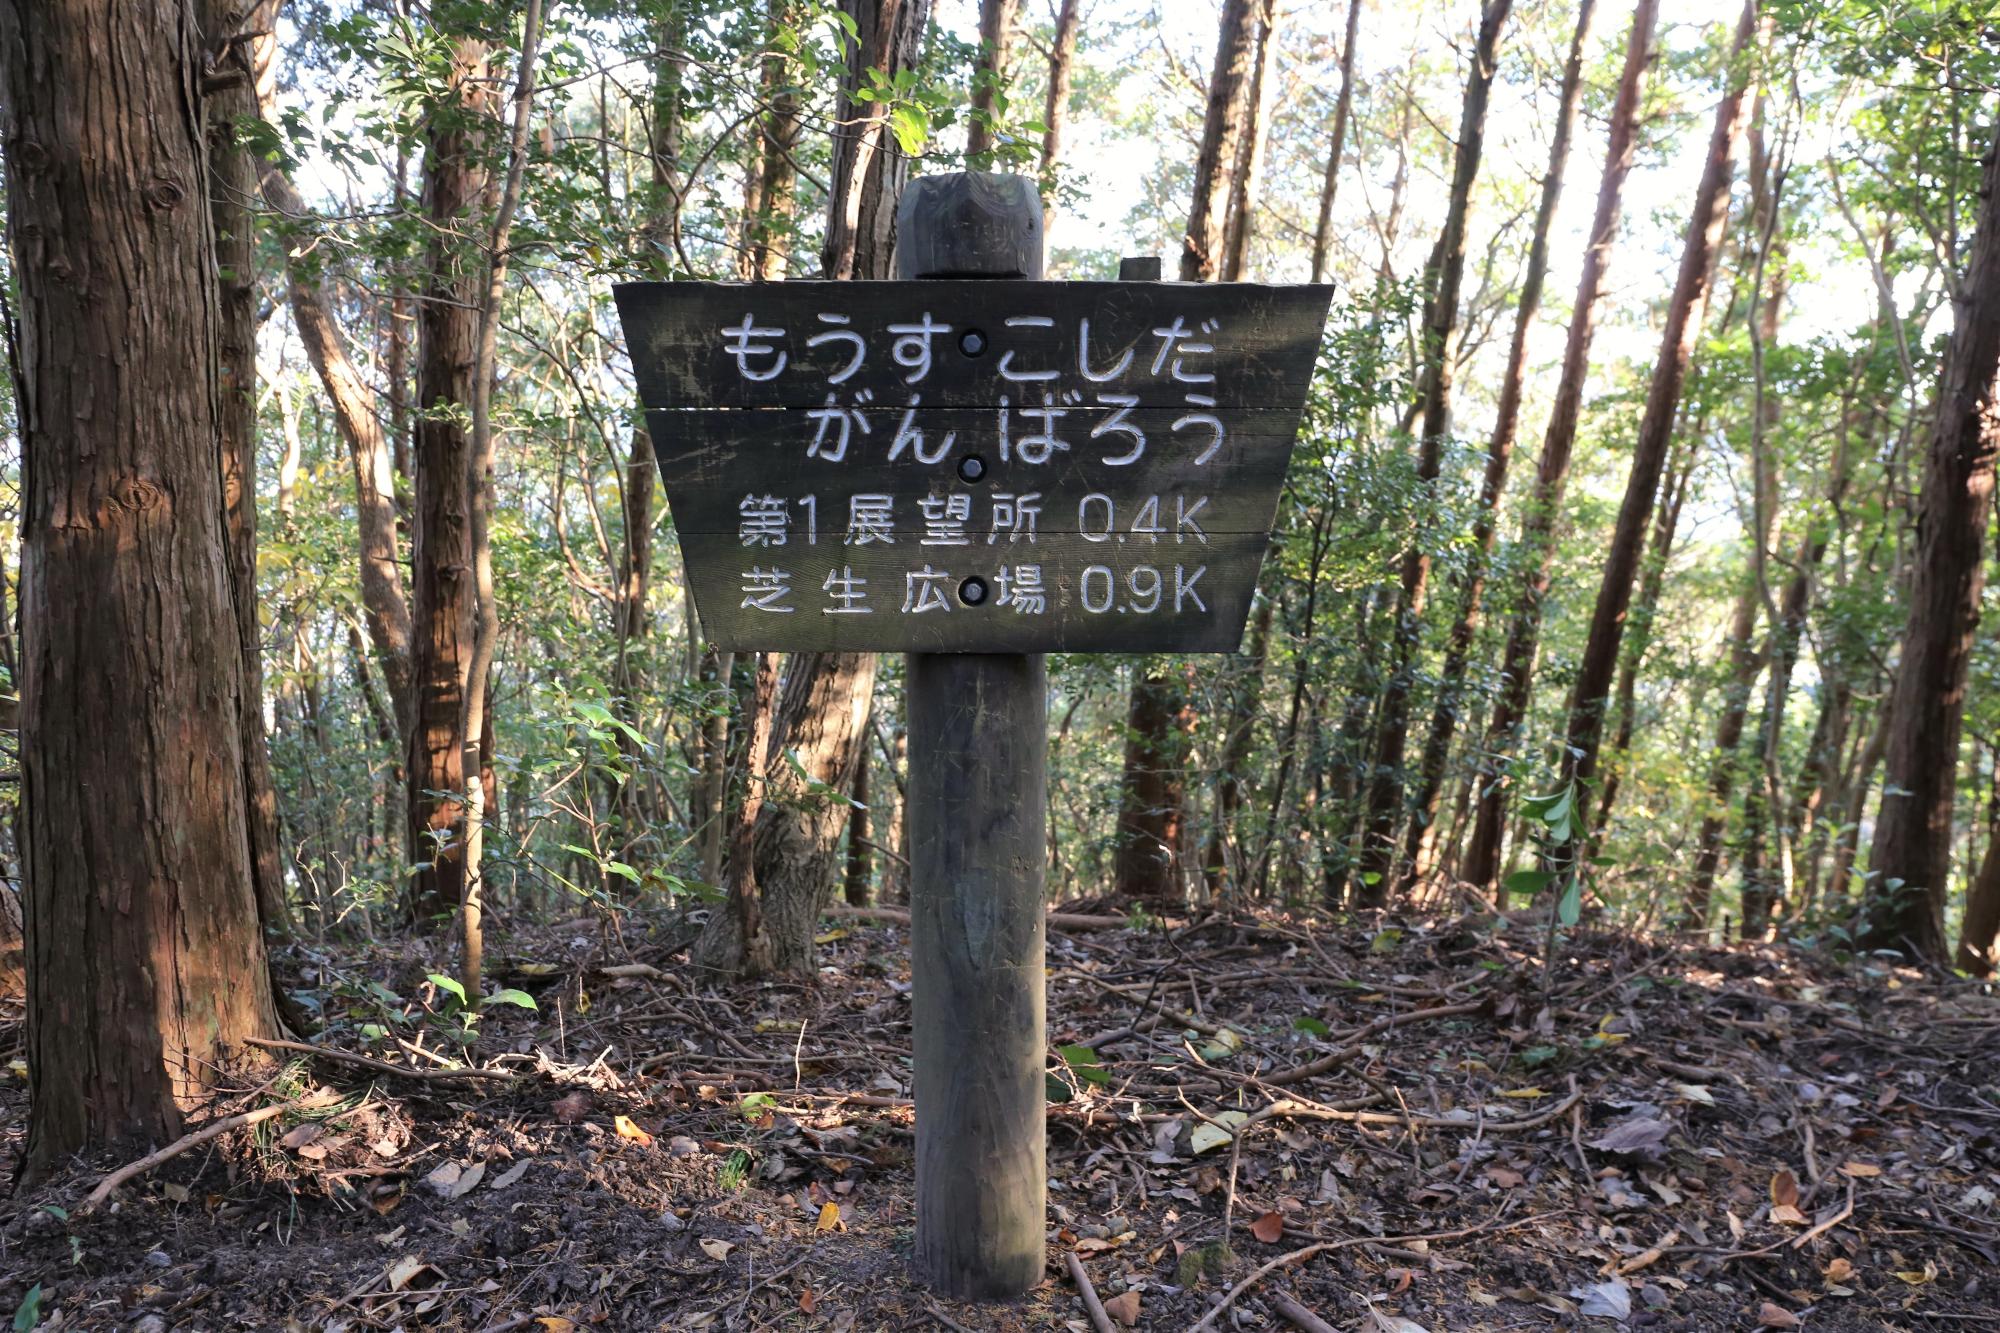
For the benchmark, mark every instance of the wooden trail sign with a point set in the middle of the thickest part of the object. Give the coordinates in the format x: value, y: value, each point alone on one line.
x: 973, y: 466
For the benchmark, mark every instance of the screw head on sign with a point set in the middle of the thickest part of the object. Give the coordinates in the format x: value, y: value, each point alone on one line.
x: 971, y: 468
x: 972, y: 591
x: 972, y: 342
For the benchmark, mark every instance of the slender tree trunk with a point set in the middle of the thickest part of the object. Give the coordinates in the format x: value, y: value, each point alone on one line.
x: 1152, y: 803
x: 1744, y: 661
x: 502, y: 197
x: 1976, y: 933
x: 1249, y: 174
x: 1911, y: 858
x: 1652, y: 583
x: 769, y: 211
x: 1386, y: 789
x: 1709, y: 216
x: 1222, y: 856
x: 146, y: 963
x: 1222, y: 131
x: 232, y: 185
x: 735, y: 941
x: 989, y: 73
x: 384, y: 605
x: 441, y: 544
x: 709, y: 802
x: 1419, y: 848
x: 1055, y: 111
x: 858, y: 883
x: 1330, y: 185
x: 1480, y: 866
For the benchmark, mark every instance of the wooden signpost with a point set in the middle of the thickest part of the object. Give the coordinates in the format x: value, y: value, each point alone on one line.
x: 974, y: 472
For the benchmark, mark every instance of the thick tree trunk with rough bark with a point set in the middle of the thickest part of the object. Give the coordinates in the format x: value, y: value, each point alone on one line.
x: 1387, y: 789
x: 1330, y: 184
x: 1911, y: 857
x: 868, y: 168
x: 145, y: 957
x: 821, y: 722
x: 1420, y: 841
x: 1710, y: 214
x: 441, y: 544
x: 1222, y: 132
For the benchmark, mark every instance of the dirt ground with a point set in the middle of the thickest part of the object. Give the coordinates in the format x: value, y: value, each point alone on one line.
x: 1393, y: 1126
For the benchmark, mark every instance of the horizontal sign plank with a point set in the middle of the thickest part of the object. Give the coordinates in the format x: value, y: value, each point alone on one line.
x: 1069, y: 593
x: 972, y: 466
x: 958, y: 343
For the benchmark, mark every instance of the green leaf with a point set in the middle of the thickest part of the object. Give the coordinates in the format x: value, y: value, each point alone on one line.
x: 753, y: 1104
x: 911, y: 126
x: 28, y: 1314
x: 445, y: 983
x: 510, y: 996
x: 1385, y: 940
x: 1306, y: 1023
x: 1058, y: 1091
x: 1570, y: 909
x: 1528, y: 883
x: 1083, y: 1062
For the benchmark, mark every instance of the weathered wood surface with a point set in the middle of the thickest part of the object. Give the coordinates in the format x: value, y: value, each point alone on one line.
x: 1132, y: 493
x: 1263, y: 340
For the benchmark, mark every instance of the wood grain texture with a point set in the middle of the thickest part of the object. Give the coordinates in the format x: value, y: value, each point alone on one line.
x: 1265, y: 339
x: 978, y: 764
x: 764, y: 458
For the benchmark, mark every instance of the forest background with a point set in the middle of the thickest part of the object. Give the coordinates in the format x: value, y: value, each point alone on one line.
x: 1654, y: 598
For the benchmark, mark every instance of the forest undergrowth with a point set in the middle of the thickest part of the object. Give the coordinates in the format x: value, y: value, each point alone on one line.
x: 1386, y: 1124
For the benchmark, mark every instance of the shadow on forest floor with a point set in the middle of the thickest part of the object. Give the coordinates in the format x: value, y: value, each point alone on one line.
x: 1682, y: 1138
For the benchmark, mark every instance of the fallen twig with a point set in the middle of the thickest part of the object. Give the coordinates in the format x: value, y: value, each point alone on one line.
x: 381, y: 1066
x: 214, y: 1129
x: 1298, y: 1314
x: 1314, y: 1068
x: 1287, y: 1260
x: 1093, y: 1306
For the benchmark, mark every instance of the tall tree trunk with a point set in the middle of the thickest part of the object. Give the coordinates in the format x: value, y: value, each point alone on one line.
x: 1222, y: 856
x: 735, y: 941
x: 384, y: 605
x: 868, y: 169
x: 1249, y: 173
x: 1152, y: 802
x: 232, y: 185
x: 1709, y: 216
x: 1976, y: 933
x: 1420, y: 841
x: 1386, y: 791
x: 1645, y: 609
x: 1055, y: 111
x: 1480, y: 866
x: 989, y: 72
x: 1911, y: 857
x: 146, y: 964
x: 441, y: 545
x: 821, y: 720
x: 1222, y: 131
x: 858, y: 881
x: 1744, y: 661
x: 1330, y: 185
x: 769, y: 210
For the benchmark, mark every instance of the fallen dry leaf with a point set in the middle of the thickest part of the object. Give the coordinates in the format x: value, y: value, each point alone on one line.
x: 1784, y: 1188
x: 572, y: 1108
x: 1270, y: 1228
x: 1773, y: 1315
x: 1124, y: 1307
x: 627, y: 1130
x: 829, y: 1217
x: 1861, y: 1170
x: 555, y: 1323
x: 717, y: 1249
